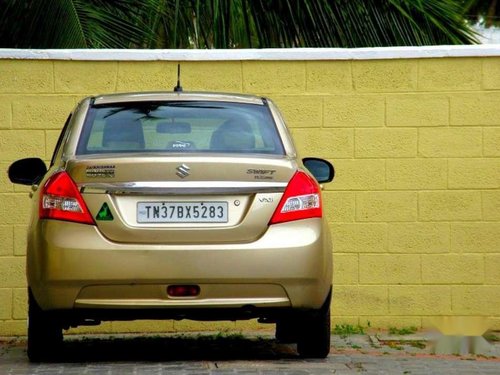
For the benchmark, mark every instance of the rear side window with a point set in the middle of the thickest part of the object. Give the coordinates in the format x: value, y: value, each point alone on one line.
x: 196, y: 126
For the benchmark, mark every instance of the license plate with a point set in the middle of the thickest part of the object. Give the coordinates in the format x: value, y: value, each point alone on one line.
x: 182, y: 212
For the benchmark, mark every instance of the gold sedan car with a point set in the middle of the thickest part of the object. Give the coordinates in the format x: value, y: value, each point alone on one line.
x: 176, y: 205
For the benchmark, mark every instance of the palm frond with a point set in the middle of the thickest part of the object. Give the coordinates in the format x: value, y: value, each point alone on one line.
x: 75, y: 23
x: 232, y: 23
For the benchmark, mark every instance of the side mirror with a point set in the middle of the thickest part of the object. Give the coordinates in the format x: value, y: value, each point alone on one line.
x: 322, y: 170
x: 27, y: 171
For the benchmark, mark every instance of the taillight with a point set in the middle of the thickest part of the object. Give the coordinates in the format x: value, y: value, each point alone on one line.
x: 301, y: 200
x: 183, y: 290
x: 61, y: 200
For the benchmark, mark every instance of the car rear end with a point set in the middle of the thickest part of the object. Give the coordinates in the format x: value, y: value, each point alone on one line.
x: 178, y: 206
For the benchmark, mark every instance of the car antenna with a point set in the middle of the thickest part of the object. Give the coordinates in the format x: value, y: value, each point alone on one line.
x: 178, y: 88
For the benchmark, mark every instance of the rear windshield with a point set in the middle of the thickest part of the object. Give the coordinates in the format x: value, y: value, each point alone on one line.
x: 197, y: 126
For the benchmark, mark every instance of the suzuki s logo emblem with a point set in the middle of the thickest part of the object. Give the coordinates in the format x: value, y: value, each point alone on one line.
x: 182, y: 171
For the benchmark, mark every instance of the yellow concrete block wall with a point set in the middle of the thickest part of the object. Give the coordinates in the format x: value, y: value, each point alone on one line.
x: 414, y: 209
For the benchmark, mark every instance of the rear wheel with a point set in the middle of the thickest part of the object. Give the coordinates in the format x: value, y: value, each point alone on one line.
x: 44, y: 333
x: 314, y: 336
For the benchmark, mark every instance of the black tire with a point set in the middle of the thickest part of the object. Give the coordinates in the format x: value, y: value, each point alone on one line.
x: 314, y: 336
x: 44, y: 333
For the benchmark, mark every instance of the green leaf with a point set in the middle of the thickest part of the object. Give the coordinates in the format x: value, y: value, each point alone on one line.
x: 235, y: 23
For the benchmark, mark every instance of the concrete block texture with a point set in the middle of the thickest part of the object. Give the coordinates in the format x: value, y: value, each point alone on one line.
x: 274, y: 77
x: 417, y: 174
x: 339, y: 206
x: 20, y: 239
x: 479, y: 237
x: 146, y: 76
x: 420, y: 300
x: 359, y: 174
x: 453, y: 269
x: 450, y: 142
x: 354, y: 111
x: 304, y: 112
x: 385, y: 75
x: 6, y: 306
x: 389, y: 269
x: 419, y: 238
x: 417, y: 110
x: 444, y: 74
x: 16, y: 144
x: 414, y: 209
x: 491, y: 205
x: 207, y: 76
x: 474, y: 173
x: 345, y: 268
x: 360, y: 300
x: 386, y: 206
x: 492, y: 269
x: 328, y: 76
x: 385, y: 143
x: 449, y: 205
x: 41, y: 112
x: 15, y: 209
x: 5, y: 185
x: 19, y: 303
x: 491, y: 73
x: 491, y: 141
x: 359, y: 238
x: 84, y: 78
x: 312, y: 142
x: 475, y: 109
x: 5, y: 113
x: 26, y: 76
x: 478, y: 300
x: 12, y: 273
x: 7, y: 240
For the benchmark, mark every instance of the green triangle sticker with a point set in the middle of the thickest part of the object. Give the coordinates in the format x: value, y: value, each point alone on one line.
x: 104, y: 213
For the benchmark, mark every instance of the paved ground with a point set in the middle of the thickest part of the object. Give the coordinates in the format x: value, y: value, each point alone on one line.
x: 247, y: 353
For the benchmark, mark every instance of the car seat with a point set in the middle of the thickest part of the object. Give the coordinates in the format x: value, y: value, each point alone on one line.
x: 122, y: 134
x: 233, y: 135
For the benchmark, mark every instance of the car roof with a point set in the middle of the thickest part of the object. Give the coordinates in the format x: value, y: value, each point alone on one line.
x: 177, y: 96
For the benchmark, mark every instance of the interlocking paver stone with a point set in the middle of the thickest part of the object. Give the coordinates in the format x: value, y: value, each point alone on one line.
x: 247, y: 354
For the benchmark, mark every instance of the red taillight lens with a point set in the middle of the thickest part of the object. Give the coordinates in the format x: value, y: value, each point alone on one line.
x: 301, y: 200
x: 61, y: 200
x: 183, y: 290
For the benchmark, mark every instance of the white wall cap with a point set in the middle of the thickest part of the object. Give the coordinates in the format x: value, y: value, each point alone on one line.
x: 294, y: 54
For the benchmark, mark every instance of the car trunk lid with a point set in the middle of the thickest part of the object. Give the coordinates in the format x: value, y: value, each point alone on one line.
x: 181, y: 199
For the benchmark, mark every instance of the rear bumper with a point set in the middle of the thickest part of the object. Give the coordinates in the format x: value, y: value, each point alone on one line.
x: 72, y: 266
